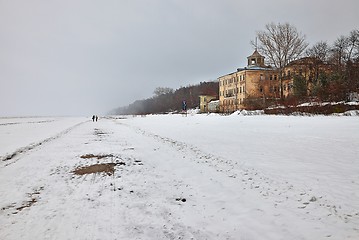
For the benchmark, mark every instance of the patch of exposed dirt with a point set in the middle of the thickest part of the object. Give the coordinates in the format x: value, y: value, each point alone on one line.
x: 86, y: 156
x: 27, y: 204
x: 33, y: 198
x: 107, y: 168
x: 181, y: 200
x: 8, y: 207
x: 138, y: 162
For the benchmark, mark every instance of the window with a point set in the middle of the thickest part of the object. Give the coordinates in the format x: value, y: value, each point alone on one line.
x: 261, y: 77
x: 275, y: 77
x: 261, y: 89
x: 270, y: 77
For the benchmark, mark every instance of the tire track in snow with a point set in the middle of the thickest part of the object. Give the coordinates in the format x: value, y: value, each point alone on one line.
x: 303, y: 199
x: 15, y: 156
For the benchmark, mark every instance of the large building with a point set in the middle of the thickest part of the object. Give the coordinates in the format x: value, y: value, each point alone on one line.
x: 258, y: 84
x: 309, y: 68
x: 254, y: 82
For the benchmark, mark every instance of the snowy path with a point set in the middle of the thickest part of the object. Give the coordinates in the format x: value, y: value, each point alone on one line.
x: 164, y: 187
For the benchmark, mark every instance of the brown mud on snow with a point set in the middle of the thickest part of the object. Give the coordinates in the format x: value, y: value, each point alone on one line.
x: 26, y: 205
x: 108, y: 168
x: 33, y: 198
x: 96, y: 156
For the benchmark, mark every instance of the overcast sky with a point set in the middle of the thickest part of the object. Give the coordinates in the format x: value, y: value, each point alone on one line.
x: 84, y: 57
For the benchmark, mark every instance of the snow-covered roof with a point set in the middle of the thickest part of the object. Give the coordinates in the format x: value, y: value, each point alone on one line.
x: 255, y: 68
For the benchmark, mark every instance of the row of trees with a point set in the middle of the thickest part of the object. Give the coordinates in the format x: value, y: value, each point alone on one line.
x: 283, y: 43
x: 169, y: 100
x: 343, y: 59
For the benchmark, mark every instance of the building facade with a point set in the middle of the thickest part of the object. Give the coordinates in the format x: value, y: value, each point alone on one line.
x: 204, y: 101
x: 308, y: 68
x: 256, y: 82
x: 213, y: 106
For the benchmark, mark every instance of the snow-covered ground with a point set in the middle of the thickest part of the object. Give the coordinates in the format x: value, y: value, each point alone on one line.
x: 176, y: 177
x: 19, y: 134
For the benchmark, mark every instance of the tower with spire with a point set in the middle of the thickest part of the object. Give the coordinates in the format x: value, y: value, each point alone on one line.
x: 255, y: 60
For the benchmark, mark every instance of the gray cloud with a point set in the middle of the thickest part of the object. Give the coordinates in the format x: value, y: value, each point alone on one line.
x: 66, y: 57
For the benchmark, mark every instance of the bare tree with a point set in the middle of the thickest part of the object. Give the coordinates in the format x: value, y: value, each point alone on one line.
x: 320, y: 50
x: 162, y: 91
x: 281, y: 43
x: 340, y: 50
x: 353, y: 45
x: 351, y: 73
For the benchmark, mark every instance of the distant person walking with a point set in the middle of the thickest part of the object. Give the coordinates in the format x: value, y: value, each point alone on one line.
x: 184, y: 107
x: 93, y: 118
x: 96, y: 118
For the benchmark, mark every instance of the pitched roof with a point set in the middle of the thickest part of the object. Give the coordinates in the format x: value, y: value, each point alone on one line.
x: 255, y: 54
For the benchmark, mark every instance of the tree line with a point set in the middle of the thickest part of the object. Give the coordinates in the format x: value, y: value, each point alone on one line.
x: 343, y: 58
x: 167, y: 100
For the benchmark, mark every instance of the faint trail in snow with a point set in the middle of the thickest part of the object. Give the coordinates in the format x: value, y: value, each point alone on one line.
x: 14, y: 157
x: 285, y: 193
x: 32, y: 122
x: 130, y: 204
